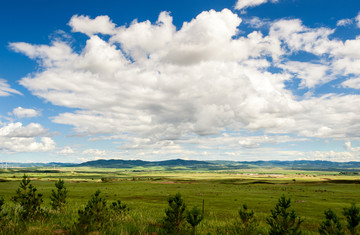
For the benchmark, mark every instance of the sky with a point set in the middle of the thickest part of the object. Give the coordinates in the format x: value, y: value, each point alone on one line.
x: 241, y: 80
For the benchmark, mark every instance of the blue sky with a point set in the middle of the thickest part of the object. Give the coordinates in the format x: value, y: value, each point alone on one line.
x: 206, y: 80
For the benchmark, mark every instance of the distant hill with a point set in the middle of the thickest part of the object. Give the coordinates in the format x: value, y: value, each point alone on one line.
x: 294, y: 165
x: 204, y: 165
x: 113, y: 163
x: 228, y: 165
x: 34, y: 164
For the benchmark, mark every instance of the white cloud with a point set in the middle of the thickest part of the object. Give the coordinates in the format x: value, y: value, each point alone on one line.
x: 66, y: 151
x: 243, y: 4
x: 83, y: 24
x: 311, y: 74
x: 344, y: 22
x: 352, y: 83
x: 14, y: 137
x: 142, y: 38
x: 25, y: 113
x: 18, y: 130
x: 297, y: 37
x: 6, y: 90
x: 257, y: 23
x: 348, y: 147
x: 357, y: 19
x: 94, y: 152
x: 156, y: 88
x: 332, y: 156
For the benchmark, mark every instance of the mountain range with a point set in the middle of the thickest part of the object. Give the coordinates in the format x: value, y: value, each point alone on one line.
x: 207, y: 165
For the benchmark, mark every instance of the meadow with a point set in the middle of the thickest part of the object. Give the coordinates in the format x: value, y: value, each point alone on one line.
x: 219, y: 193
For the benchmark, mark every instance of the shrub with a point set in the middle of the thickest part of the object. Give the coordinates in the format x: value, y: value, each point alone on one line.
x: 174, y: 215
x: 194, y: 217
x: 120, y: 209
x: 94, y: 216
x: 29, y: 200
x: 331, y: 224
x: 58, y: 198
x: 246, y: 224
x: 105, y: 180
x: 282, y: 221
x: 352, y: 215
x: 2, y: 214
x: 2, y: 202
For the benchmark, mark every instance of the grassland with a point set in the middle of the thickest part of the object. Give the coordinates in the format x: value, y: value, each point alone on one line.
x: 145, y: 191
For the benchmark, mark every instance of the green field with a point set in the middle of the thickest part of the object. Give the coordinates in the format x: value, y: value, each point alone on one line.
x: 145, y: 191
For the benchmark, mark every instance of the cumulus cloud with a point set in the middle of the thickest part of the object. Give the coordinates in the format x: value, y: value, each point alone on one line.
x: 311, y: 74
x: 331, y: 156
x: 83, y: 24
x: 66, y: 151
x: 159, y: 89
x: 243, y: 4
x: 344, y: 22
x: 6, y: 90
x: 94, y: 152
x: 25, y: 113
x: 357, y: 19
x: 352, y: 83
x: 14, y: 137
x: 142, y: 38
x: 257, y: 23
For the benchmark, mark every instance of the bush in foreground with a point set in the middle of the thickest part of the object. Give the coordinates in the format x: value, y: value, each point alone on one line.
x: 174, y: 219
x: 331, y: 224
x: 29, y: 200
x: 352, y: 215
x: 246, y: 224
x: 58, y: 198
x: 119, y: 209
x: 282, y: 220
x: 194, y: 217
x: 95, y: 215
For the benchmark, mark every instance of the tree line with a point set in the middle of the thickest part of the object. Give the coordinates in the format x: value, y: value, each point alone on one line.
x: 178, y: 219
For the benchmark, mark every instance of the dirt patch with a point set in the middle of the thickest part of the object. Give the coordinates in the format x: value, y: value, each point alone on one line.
x: 164, y: 182
x: 59, y: 232
x: 325, y: 179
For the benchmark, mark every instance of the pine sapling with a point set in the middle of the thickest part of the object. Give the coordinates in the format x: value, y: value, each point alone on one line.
x: 94, y: 216
x: 247, y: 223
x: 174, y: 214
x: 352, y: 215
x: 2, y: 202
x: 58, y: 198
x: 283, y: 220
x: 194, y: 217
x: 120, y: 209
x: 331, y: 224
x: 29, y: 199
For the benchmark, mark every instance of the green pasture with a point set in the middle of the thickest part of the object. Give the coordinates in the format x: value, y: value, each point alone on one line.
x: 145, y: 191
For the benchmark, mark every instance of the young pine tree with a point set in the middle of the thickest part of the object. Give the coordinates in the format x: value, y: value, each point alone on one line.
x: 94, y: 216
x: 282, y: 221
x: 247, y: 224
x: 120, y: 209
x: 194, y: 217
x: 174, y: 215
x: 3, y: 216
x: 29, y: 200
x: 352, y: 215
x: 331, y: 224
x: 2, y: 202
x: 58, y: 198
